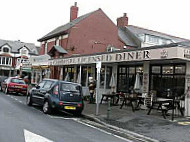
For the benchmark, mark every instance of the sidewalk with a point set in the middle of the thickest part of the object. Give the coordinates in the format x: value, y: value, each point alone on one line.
x: 153, y: 125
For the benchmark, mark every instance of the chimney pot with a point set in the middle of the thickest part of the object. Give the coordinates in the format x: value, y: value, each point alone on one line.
x: 122, y: 21
x: 73, y: 12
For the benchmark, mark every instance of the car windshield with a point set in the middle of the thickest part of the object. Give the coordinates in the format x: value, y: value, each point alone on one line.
x: 16, y: 80
x: 69, y: 87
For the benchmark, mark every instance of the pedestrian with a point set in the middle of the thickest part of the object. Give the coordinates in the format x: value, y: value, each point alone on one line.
x: 91, y: 86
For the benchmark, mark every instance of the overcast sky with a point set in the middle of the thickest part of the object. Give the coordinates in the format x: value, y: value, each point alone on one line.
x: 29, y: 20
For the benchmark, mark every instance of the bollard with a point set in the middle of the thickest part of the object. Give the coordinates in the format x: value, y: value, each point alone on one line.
x: 109, y: 108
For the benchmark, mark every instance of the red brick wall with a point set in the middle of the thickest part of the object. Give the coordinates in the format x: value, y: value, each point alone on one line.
x: 42, y: 49
x: 96, y: 28
x: 50, y: 45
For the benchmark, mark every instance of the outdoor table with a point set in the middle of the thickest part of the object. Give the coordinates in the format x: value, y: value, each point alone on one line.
x: 169, y: 105
x: 106, y: 96
x: 130, y: 98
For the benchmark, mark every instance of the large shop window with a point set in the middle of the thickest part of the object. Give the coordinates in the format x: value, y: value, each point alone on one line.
x: 105, y: 76
x: 85, y: 74
x: 166, y: 78
x: 126, y: 77
x: 69, y: 74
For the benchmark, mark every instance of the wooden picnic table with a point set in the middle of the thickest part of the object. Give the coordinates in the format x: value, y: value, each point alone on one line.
x: 165, y: 104
x: 112, y: 96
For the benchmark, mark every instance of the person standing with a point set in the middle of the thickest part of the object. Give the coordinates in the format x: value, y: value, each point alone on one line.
x: 92, y: 86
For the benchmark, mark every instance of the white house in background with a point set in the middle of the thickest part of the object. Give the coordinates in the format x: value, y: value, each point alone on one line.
x: 12, y: 54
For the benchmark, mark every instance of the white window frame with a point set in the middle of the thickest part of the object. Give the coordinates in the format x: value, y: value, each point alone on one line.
x: 45, y: 47
x: 6, y: 46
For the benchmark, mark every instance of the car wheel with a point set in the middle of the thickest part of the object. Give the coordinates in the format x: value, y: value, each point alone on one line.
x: 29, y: 100
x: 47, y: 108
x: 6, y: 90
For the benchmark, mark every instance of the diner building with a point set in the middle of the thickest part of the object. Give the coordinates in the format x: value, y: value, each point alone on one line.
x: 124, y: 51
x: 161, y: 68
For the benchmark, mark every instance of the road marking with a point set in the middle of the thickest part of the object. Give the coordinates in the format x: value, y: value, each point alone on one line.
x: 31, y: 137
x: 59, y: 117
x: 184, y: 123
x: 105, y: 131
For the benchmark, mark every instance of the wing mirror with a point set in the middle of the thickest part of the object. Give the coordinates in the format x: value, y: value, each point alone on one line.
x: 37, y: 86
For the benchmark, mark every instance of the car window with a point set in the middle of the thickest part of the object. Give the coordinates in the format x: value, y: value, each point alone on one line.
x: 18, y: 81
x: 48, y: 84
x: 55, y: 90
x: 70, y: 87
x: 41, y: 84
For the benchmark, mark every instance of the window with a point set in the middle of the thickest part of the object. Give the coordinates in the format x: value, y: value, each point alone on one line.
x: 156, y: 69
x: 41, y: 84
x: 102, y: 77
x: 55, y: 90
x: 70, y: 87
x: 23, y: 52
x: 57, y: 42
x: 108, y: 77
x: 3, y: 60
x: 165, y: 77
x: 16, y: 80
x: 127, y: 76
x: 152, y: 39
x: 7, y: 61
x: 180, y: 69
x: 46, y: 48
x: 48, y: 84
x: 5, y: 49
x: 167, y: 70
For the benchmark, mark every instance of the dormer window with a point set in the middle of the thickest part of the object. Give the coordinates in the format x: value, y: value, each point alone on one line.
x: 23, y: 52
x: 152, y: 39
x: 57, y: 42
x: 46, y: 48
x: 6, y: 50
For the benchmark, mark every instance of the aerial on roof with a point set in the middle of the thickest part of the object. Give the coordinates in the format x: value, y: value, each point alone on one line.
x: 16, y: 45
x: 61, y: 29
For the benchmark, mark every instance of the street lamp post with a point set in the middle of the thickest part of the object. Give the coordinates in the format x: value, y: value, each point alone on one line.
x: 98, y: 67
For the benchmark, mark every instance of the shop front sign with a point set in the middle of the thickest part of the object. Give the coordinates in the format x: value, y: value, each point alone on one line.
x: 187, y: 53
x: 126, y: 56
x: 114, y: 57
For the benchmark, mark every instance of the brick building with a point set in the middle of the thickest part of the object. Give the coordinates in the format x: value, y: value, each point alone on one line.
x: 90, y: 33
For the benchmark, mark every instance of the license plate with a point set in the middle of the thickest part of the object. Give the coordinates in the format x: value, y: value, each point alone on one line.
x: 70, y: 107
x: 18, y: 86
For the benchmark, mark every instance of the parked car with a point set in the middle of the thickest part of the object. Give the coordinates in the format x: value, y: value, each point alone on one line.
x: 54, y: 94
x: 14, y: 85
x: 2, y: 78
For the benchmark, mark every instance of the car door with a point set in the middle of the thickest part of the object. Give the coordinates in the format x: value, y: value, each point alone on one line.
x: 36, y: 98
x: 44, y: 90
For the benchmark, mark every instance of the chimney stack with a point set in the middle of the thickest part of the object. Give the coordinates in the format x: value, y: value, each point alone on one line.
x: 122, y: 21
x: 73, y: 12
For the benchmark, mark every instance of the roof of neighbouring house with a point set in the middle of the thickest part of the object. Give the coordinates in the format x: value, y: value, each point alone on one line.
x: 139, y: 30
x: 126, y: 37
x: 16, y: 45
x: 61, y: 29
